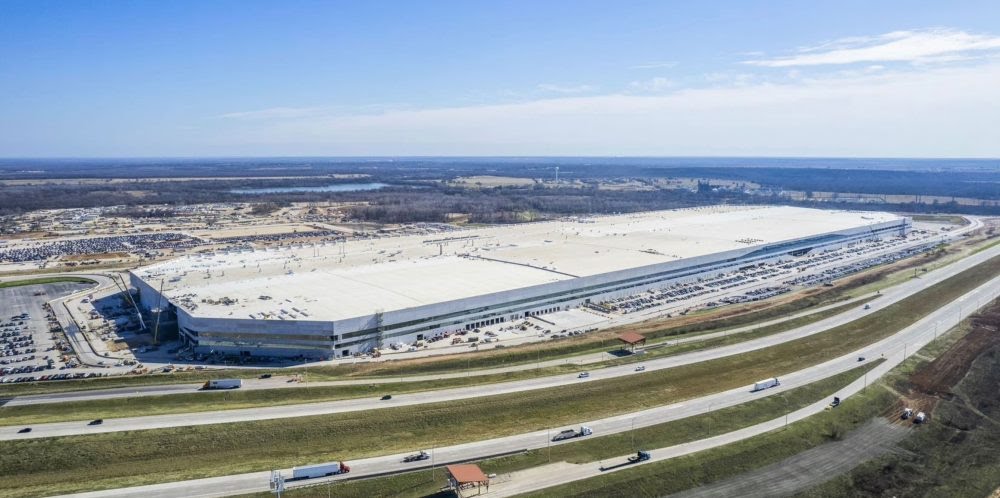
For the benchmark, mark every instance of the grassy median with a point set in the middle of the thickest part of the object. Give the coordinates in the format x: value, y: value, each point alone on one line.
x: 590, y: 449
x: 231, y: 400
x: 972, y: 478
x: 65, y: 464
x: 46, y: 280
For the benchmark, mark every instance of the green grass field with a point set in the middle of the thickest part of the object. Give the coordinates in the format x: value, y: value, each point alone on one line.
x: 591, y: 449
x: 709, y: 466
x: 65, y: 464
x: 347, y: 373
x: 45, y: 280
x: 229, y: 400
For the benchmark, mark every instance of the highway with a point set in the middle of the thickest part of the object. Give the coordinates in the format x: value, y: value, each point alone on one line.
x: 343, y: 406
x: 895, y: 349
x: 282, y: 382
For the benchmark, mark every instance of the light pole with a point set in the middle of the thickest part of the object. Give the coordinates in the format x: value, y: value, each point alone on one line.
x: 633, y: 433
x: 786, y: 410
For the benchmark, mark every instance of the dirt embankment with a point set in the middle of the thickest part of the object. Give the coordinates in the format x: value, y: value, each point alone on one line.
x: 956, y: 452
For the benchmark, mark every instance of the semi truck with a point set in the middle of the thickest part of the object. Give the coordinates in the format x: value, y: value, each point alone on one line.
x: 322, y: 470
x: 223, y: 384
x: 639, y: 456
x: 765, y: 384
x: 570, y: 433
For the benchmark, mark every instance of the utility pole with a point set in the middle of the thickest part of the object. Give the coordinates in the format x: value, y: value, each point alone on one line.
x: 633, y: 434
x: 277, y: 483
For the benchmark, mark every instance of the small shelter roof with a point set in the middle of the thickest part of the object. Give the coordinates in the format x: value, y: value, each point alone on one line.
x: 632, y: 338
x: 467, y: 473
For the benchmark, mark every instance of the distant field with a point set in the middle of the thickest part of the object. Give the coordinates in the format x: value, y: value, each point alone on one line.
x: 114, y: 181
x: 491, y: 181
x: 941, y: 218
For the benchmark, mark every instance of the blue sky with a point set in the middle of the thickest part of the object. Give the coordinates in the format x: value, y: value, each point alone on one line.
x: 251, y: 78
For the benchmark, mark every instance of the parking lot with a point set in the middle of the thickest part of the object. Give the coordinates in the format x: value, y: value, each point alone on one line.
x: 31, y: 344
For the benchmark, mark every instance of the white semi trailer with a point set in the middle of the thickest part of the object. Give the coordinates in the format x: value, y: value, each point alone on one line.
x: 322, y: 470
x: 223, y: 384
x: 765, y: 384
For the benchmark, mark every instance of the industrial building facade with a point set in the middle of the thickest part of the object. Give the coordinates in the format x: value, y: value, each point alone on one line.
x: 332, y: 301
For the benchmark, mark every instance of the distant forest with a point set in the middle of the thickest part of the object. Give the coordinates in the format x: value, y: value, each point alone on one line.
x: 419, y: 194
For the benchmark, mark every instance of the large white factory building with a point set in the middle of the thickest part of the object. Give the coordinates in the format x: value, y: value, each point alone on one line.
x: 336, y: 299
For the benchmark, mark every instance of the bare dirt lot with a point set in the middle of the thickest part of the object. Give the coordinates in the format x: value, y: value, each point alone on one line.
x: 956, y: 452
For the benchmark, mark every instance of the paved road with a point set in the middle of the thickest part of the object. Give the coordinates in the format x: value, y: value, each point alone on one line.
x: 895, y: 349
x: 323, y: 408
x: 282, y: 382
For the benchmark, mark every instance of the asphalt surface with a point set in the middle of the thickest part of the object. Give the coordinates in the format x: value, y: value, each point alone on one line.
x: 17, y: 300
x: 343, y: 406
x: 811, y: 467
x: 894, y: 349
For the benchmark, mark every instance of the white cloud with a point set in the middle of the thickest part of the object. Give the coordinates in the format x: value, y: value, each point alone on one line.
x: 652, y: 85
x: 276, y: 113
x: 548, y: 87
x: 938, y: 111
x: 921, y: 46
x: 655, y: 65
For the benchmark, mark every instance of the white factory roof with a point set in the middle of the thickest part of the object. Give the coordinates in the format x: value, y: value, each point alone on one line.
x: 355, y: 278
